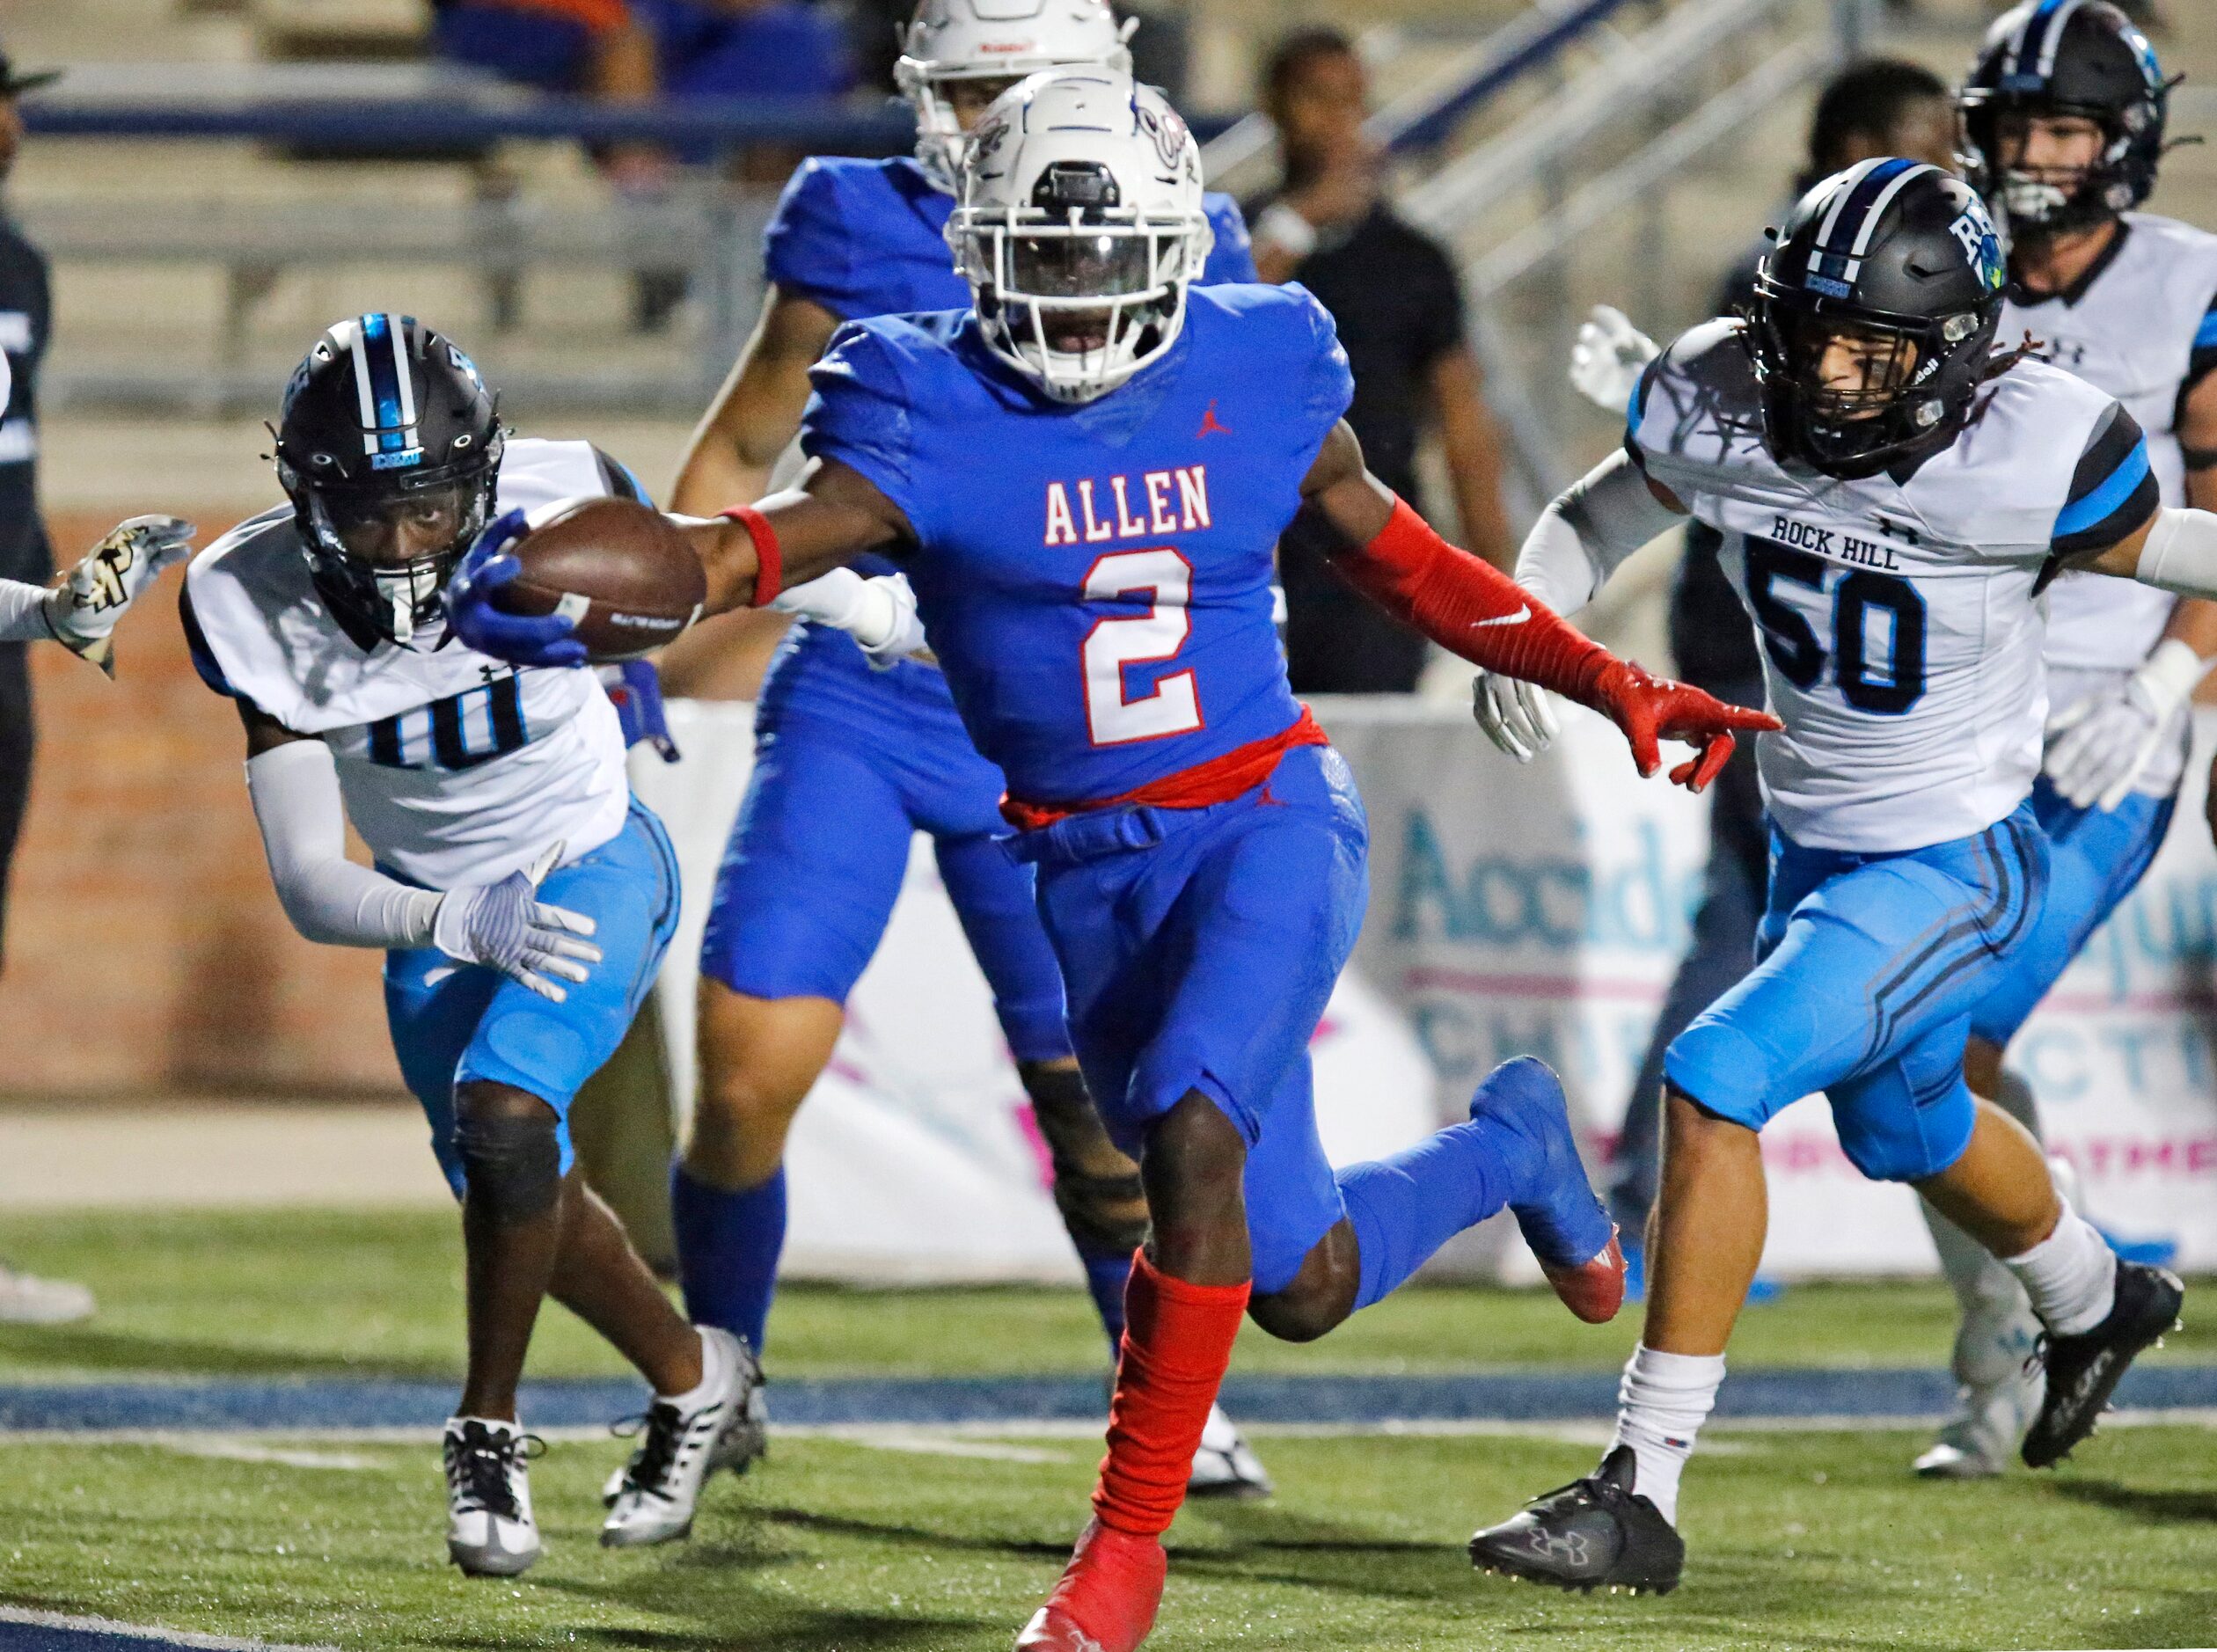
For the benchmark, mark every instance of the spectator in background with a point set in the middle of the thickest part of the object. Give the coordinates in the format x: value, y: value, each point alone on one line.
x: 642, y: 50
x: 1395, y: 294
x: 636, y: 50
x: 26, y: 307
x: 1879, y: 106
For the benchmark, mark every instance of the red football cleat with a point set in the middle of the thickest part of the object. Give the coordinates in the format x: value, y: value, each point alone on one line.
x: 1593, y: 1290
x: 1105, y: 1599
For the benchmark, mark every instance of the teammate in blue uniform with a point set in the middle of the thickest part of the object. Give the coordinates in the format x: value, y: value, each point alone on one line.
x: 853, y: 757
x: 1085, y: 475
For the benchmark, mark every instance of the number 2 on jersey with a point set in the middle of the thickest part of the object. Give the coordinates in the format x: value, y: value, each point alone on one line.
x: 1860, y: 597
x: 1173, y: 706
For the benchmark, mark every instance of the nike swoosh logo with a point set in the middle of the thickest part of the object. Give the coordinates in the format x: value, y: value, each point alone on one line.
x: 432, y: 977
x: 1517, y: 618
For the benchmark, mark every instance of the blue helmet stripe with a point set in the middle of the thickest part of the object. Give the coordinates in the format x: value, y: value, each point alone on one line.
x: 2032, y: 59
x: 393, y: 436
x: 1847, y: 227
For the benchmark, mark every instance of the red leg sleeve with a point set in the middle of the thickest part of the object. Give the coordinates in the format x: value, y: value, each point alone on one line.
x: 1177, y: 1341
x: 1471, y: 608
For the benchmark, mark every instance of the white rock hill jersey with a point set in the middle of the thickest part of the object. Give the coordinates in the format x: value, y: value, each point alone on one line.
x: 2139, y: 325
x: 1899, y: 616
x: 456, y: 768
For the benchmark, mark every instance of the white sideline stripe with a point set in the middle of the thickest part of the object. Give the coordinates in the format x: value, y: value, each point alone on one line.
x: 30, y: 1619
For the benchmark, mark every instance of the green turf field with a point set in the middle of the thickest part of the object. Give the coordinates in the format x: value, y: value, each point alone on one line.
x: 323, y: 1293
x: 924, y: 1541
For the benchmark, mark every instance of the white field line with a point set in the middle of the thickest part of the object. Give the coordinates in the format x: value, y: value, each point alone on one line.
x: 26, y: 1618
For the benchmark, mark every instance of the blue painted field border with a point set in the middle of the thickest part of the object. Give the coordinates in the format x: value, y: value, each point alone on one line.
x: 1510, y: 1397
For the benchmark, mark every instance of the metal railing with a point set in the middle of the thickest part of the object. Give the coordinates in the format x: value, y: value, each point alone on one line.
x: 1647, y: 106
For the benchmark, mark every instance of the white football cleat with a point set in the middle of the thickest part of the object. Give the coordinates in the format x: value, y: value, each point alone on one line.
x: 1226, y: 1465
x: 1998, y: 1393
x: 684, y: 1445
x: 27, y: 1300
x: 490, y: 1531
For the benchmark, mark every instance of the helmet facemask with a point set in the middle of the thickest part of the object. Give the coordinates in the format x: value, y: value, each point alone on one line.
x: 1077, y: 291
x: 381, y: 552
x: 1850, y: 394
x: 2047, y: 201
x: 941, y: 139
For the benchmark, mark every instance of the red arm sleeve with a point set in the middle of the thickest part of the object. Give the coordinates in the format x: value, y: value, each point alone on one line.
x: 1471, y: 608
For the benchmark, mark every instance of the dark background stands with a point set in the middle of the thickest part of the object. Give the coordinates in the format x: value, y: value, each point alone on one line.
x: 1396, y: 297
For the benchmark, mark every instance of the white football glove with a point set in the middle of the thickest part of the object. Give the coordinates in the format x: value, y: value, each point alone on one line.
x: 1517, y: 716
x: 1607, y: 362
x: 880, y: 614
x: 2098, y: 748
x: 500, y: 926
x: 82, y: 610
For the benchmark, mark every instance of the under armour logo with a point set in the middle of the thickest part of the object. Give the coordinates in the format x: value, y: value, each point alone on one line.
x: 1570, y: 1548
x: 1211, y: 423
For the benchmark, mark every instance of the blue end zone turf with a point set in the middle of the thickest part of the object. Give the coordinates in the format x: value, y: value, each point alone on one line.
x: 1513, y: 1397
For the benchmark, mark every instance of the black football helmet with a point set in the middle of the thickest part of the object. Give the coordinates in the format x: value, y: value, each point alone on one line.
x: 389, y: 447
x: 1892, y: 269
x: 2065, y: 57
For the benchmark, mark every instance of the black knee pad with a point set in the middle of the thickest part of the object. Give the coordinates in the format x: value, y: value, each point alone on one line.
x: 513, y: 1165
x: 1105, y: 1210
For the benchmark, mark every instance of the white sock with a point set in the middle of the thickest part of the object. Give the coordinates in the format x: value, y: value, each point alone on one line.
x: 1661, y: 1405
x: 713, y: 1360
x: 2070, y: 1275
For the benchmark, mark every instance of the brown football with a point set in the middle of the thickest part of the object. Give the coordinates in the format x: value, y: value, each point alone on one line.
x: 620, y: 568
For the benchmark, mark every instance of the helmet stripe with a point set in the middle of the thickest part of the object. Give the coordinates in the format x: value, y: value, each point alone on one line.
x: 2033, y: 48
x: 1857, y: 210
x: 383, y: 351
x: 351, y: 331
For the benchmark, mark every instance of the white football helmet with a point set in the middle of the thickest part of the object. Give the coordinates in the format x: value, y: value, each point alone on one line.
x: 994, y: 40
x: 1078, y: 224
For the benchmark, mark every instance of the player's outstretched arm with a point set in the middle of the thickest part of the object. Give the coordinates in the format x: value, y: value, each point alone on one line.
x: 753, y: 553
x: 294, y: 784
x: 757, y: 410
x: 1480, y: 615
x: 80, y: 611
x: 748, y: 554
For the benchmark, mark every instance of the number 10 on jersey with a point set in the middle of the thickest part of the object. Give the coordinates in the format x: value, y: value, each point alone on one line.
x: 1173, y: 706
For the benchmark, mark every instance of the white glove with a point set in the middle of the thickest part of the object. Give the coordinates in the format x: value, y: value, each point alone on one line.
x: 500, y: 926
x: 1517, y: 716
x: 1607, y: 362
x: 880, y: 614
x: 82, y: 610
x: 2098, y: 748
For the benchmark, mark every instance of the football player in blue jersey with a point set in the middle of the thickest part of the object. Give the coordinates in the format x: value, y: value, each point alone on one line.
x: 1896, y: 497
x: 854, y: 756
x: 1085, y: 475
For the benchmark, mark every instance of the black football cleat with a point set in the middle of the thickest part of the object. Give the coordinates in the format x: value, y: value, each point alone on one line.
x: 2082, y: 1371
x: 1593, y: 1533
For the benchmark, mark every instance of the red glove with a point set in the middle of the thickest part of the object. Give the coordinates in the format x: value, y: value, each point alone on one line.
x: 1474, y: 611
x: 1649, y: 709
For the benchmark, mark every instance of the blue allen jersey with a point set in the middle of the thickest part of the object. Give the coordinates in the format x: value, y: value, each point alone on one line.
x: 1095, y: 579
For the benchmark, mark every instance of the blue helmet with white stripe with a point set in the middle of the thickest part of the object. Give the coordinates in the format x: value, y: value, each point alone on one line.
x: 1874, y: 317
x: 389, y: 447
x: 2054, y: 58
